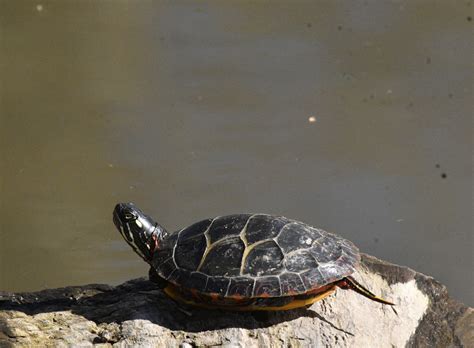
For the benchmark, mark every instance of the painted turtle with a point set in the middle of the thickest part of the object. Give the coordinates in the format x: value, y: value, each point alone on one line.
x: 243, y: 262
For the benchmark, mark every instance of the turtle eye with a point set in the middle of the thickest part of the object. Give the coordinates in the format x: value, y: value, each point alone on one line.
x: 129, y: 216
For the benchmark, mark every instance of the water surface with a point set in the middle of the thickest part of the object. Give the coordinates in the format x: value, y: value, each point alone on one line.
x: 200, y: 109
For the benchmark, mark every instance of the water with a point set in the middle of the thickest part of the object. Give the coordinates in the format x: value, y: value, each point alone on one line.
x: 192, y: 110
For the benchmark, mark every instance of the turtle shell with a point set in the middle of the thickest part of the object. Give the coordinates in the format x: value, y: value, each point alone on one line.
x: 255, y: 255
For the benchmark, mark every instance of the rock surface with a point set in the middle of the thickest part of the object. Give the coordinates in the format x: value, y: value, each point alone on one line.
x: 136, y: 313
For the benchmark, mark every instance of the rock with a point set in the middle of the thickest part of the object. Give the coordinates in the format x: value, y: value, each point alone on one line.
x: 137, y: 314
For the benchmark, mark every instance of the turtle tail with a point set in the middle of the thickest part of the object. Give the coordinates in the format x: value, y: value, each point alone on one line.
x: 351, y: 283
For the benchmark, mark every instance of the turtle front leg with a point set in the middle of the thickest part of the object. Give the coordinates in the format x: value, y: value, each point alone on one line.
x: 155, y: 278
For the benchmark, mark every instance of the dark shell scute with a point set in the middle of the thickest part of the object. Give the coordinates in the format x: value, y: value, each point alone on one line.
x: 332, y: 272
x: 265, y: 258
x: 224, y: 258
x: 178, y: 276
x: 350, y: 250
x: 189, y: 252
x: 326, y: 250
x: 218, y: 285
x: 161, y: 256
x: 345, y: 263
x: 296, y: 236
x: 291, y: 283
x: 241, y: 286
x: 262, y: 227
x: 351, y: 257
x: 313, y: 279
x: 226, y: 226
x: 194, y: 230
x: 169, y: 242
x: 166, y: 268
x: 299, y: 261
x: 267, y: 287
x: 196, y: 281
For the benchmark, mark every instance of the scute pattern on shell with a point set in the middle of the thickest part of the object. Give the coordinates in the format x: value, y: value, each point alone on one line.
x: 255, y: 255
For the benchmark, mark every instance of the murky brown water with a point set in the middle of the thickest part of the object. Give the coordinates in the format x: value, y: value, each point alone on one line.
x: 200, y: 109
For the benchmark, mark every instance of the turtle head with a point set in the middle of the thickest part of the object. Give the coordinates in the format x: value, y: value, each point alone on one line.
x: 140, y: 231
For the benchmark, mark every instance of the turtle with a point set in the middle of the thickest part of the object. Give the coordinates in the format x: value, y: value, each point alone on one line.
x: 243, y: 262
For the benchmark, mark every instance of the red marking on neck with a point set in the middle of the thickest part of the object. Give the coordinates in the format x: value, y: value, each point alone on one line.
x: 154, y: 244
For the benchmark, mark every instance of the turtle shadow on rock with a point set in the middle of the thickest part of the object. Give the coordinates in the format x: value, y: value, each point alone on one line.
x: 141, y: 299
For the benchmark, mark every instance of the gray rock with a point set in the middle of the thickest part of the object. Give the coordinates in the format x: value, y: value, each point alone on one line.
x: 136, y: 314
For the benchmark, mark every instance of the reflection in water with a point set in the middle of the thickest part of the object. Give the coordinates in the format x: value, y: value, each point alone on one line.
x: 351, y: 117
